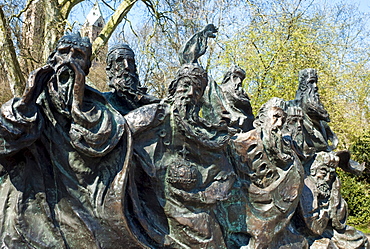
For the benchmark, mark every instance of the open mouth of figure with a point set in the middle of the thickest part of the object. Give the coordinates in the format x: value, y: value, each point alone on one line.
x: 66, y: 74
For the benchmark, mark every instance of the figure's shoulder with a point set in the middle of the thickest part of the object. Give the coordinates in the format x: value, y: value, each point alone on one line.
x: 147, y: 116
x: 93, y: 95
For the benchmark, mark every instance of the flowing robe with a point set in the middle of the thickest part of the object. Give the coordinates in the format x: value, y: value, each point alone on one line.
x: 184, y: 171
x: 63, y: 174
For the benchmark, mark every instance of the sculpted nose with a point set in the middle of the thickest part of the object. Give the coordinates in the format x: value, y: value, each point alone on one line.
x: 71, y: 51
x: 126, y: 64
x: 190, y: 91
x: 279, y: 122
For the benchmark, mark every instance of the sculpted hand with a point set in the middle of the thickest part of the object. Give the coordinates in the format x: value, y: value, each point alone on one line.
x: 79, y: 85
x: 35, y: 84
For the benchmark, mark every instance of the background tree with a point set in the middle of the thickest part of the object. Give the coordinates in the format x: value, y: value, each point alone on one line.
x: 36, y: 34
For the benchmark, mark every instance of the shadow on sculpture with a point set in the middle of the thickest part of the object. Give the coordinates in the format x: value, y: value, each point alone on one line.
x: 84, y: 169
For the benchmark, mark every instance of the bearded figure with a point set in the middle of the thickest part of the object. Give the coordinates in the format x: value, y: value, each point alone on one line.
x: 180, y: 162
x: 181, y: 159
x: 64, y: 151
x: 323, y: 209
x: 317, y: 134
x: 228, y: 101
x: 127, y: 93
x: 272, y: 179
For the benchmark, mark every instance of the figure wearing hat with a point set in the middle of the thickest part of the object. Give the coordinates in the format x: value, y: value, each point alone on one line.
x: 127, y: 93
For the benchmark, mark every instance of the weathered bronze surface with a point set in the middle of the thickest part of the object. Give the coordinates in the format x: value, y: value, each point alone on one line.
x: 123, y: 169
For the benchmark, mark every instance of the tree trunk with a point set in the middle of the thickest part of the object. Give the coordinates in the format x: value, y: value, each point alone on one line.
x: 55, y: 22
x: 7, y: 50
x: 44, y: 24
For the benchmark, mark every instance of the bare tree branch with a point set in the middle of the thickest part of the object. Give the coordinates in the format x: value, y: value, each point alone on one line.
x: 111, y: 25
x: 29, y: 2
x: 106, y: 4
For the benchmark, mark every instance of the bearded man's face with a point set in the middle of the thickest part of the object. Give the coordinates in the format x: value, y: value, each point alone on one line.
x: 311, y: 100
x: 122, y: 71
x: 279, y: 148
x: 324, y: 179
x: 68, y: 53
x: 69, y: 58
x: 188, y: 93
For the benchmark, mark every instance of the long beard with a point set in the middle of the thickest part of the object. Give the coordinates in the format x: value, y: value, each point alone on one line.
x: 186, y: 107
x: 323, y: 189
x: 125, y: 83
x: 314, y: 107
x: 279, y: 150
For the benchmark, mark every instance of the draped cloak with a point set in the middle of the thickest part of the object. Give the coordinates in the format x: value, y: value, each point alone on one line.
x: 63, y: 176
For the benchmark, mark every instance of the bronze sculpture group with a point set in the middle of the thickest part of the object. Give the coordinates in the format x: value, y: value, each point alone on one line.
x: 123, y: 169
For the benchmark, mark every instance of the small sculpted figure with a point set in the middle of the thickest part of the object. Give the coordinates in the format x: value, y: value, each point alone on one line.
x: 64, y: 150
x: 180, y: 159
x: 272, y: 179
x: 323, y: 209
x: 127, y: 93
x: 228, y: 102
x: 196, y: 46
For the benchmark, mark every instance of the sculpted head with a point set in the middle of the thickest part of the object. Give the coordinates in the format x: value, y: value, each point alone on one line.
x: 307, y: 83
x: 121, y: 68
x: 271, y: 121
x: 309, y: 96
x: 189, y: 84
x: 322, y: 171
x: 235, y: 75
x: 186, y: 90
x: 294, y: 121
x: 70, y: 58
x: 271, y: 116
x: 72, y: 48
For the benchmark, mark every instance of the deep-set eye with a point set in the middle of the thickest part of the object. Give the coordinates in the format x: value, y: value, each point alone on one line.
x: 78, y: 55
x: 63, y: 50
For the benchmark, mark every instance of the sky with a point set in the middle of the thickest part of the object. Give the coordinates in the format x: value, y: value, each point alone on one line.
x: 364, y: 5
x: 79, y: 13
